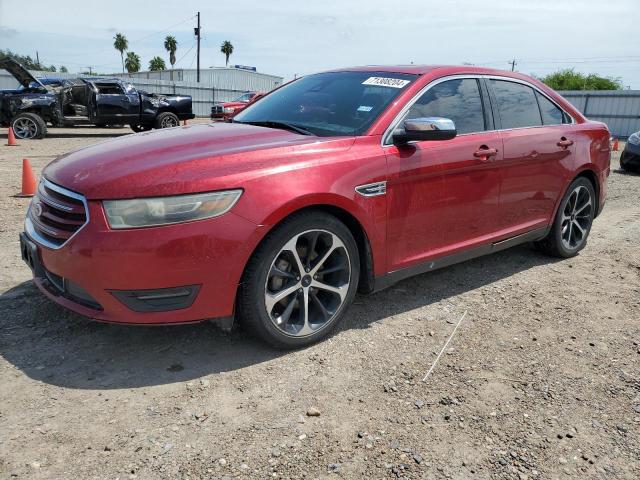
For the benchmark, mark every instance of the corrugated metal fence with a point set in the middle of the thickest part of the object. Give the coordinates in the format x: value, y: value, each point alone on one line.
x: 227, y: 87
x: 619, y: 109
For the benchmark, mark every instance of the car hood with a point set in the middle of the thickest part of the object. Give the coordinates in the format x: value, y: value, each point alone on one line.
x: 195, y: 158
x: 20, y: 73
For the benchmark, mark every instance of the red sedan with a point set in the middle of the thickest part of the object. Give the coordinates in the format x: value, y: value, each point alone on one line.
x: 338, y: 182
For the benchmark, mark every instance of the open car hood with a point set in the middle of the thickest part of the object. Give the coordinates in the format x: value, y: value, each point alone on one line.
x: 20, y: 73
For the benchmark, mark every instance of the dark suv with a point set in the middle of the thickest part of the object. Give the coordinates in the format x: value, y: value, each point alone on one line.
x: 84, y: 101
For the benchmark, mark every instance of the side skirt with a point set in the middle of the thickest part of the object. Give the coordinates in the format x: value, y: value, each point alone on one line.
x: 385, y: 281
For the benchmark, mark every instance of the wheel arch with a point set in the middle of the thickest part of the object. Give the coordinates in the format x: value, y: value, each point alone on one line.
x: 591, y: 175
x: 355, y: 226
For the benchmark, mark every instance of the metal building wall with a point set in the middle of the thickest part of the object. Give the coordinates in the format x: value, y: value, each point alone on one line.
x: 619, y: 109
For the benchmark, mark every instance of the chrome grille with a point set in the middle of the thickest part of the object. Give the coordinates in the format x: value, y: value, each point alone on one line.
x: 217, y: 109
x: 55, y: 215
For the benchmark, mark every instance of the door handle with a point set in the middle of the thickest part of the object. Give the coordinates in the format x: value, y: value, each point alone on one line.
x: 564, y: 143
x: 485, y: 153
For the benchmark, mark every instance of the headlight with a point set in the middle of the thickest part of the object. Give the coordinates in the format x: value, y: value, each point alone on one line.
x: 634, y: 139
x: 148, y: 212
x: 229, y: 109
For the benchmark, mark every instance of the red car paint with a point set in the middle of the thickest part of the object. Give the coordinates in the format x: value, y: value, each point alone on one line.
x: 440, y: 199
x: 220, y: 111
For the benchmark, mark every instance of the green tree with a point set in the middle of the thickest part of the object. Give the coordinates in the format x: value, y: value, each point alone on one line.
x: 227, y: 49
x: 171, y: 46
x: 156, y: 64
x: 121, y: 44
x: 569, y: 79
x: 25, y: 60
x: 132, y: 62
x: 63, y: 69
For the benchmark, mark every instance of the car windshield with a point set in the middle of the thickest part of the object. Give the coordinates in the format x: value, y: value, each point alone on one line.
x: 329, y: 104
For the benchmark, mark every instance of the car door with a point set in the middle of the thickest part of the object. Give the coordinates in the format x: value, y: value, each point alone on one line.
x: 114, y: 105
x: 443, y: 196
x: 538, y: 154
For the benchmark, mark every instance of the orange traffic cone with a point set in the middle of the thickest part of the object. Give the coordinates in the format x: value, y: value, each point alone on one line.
x: 28, y: 179
x: 615, y: 145
x: 11, y: 138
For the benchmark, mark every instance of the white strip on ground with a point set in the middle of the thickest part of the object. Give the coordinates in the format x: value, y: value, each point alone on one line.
x: 445, y: 347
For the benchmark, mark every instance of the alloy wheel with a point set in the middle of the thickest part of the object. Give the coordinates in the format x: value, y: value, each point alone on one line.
x: 25, y: 128
x: 576, y: 218
x: 168, y: 122
x: 307, y: 283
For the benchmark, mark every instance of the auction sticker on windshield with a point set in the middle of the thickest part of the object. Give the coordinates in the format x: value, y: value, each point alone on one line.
x: 385, y: 82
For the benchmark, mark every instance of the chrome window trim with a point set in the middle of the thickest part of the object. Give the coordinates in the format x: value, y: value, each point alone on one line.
x: 386, y: 136
x: 30, y: 229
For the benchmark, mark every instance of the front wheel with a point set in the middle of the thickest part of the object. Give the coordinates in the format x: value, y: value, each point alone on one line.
x: 29, y: 125
x: 140, y: 128
x: 573, y: 221
x: 300, y: 281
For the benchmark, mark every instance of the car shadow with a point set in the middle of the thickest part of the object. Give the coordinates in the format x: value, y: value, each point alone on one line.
x: 55, y: 346
x: 630, y: 173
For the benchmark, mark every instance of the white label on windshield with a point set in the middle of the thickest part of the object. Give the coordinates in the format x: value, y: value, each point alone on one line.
x: 365, y: 108
x: 385, y: 82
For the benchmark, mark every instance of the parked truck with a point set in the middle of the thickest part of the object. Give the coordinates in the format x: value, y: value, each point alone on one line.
x: 84, y: 101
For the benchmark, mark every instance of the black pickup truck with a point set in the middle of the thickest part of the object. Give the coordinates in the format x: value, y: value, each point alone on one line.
x: 84, y: 101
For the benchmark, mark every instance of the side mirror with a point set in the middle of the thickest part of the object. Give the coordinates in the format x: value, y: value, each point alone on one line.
x: 425, y: 129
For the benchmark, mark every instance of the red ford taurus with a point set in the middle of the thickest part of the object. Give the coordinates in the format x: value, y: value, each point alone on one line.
x: 338, y: 182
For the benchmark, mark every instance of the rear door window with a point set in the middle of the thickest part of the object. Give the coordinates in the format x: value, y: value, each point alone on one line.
x: 551, y: 114
x: 517, y: 104
x: 458, y: 100
x: 109, y: 89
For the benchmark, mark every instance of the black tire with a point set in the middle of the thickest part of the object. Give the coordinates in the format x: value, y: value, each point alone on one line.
x: 167, y: 120
x: 27, y: 126
x: 562, y: 241
x: 254, y: 288
x: 140, y: 128
x: 623, y: 165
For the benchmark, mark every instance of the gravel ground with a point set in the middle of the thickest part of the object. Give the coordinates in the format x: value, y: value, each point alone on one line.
x: 541, y: 380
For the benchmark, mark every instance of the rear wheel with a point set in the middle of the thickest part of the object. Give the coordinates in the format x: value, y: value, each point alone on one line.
x: 29, y: 125
x: 573, y: 221
x: 300, y: 281
x: 167, y: 120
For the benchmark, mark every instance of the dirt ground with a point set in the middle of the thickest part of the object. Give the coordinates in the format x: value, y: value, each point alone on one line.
x: 541, y: 380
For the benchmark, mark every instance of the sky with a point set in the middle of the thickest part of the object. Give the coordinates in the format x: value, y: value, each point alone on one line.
x: 294, y: 37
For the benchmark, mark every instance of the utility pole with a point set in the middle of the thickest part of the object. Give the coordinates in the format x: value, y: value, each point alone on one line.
x: 90, y: 70
x: 197, y: 33
x: 513, y: 65
x: 37, y: 59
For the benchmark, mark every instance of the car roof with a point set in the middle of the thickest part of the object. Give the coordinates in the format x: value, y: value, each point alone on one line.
x: 424, y: 69
x: 101, y: 79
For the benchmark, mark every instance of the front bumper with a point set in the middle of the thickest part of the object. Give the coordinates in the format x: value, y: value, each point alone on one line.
x: 105, y: 274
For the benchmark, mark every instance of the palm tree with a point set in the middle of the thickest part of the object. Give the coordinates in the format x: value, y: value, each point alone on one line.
x: 227, y: 49
x: 171, y: 45
x: 156, y: 64
x: 121, y: 44
x: 132, y: 62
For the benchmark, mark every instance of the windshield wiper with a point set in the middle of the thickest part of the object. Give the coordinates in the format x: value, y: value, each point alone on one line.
x: 278, y: 124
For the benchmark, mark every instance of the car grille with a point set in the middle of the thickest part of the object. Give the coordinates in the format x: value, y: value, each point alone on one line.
x: 217, y: 109
x: 55, y: 215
